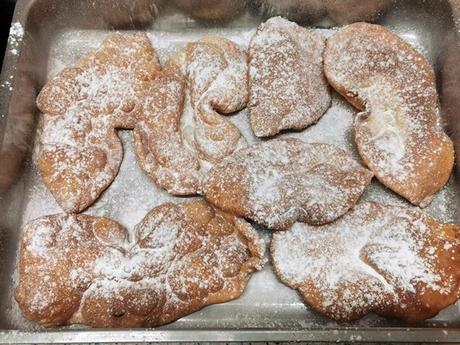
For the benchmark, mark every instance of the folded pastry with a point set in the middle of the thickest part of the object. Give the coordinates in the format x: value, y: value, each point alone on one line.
x: 84, y: 269
x: 215, y: 69
x: 288, y: 89
x: 159, y: 147
x: 392, y: 261
x: 80, y: 152
x: 281, y: 181
x: 398, y: 134
x: 119, y: 85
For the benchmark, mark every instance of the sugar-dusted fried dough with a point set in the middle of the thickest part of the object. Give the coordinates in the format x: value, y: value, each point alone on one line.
x: 80, y: 152
x: 83, y: 269
x: 388, y: 260
x: 120, y: 85
x: 281, y: 181
x: 288, y: 89
x: 398, y: 134
x: 157, y: 138
x: 216, y: 72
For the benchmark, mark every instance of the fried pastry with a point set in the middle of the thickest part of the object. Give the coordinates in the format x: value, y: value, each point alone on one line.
x: 120, y: 85
x: 84, y: 269
x: 392, y: 261
x: 157, y: 138
x: 398, y: 134
x: 281, y: 181
x: 216, y: 72
x: 288, y: 89
x: 80, y: 152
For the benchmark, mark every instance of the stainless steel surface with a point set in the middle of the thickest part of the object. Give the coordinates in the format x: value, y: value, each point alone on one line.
x: 58, y: 32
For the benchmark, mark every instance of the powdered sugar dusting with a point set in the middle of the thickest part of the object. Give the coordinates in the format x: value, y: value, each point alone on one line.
x: 82, y: 106
x: 15, y: 38
x: 399, y: 135
x: 168, y: 269
x: 374, y: 258
x: 288, y: 89
x: 280, y: 181
x: 216, y: 72
x: 132, y: 194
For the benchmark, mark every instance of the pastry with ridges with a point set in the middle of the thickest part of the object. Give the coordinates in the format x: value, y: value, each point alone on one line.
x: 398, y: 133
x: 388, y: 260
x: 215, y: 70
x: 278, y: 182
x: 85, y: 270
x: 118, y: 86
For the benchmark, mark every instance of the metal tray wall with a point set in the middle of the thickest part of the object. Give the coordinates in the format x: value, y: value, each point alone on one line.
x: 58, y: 32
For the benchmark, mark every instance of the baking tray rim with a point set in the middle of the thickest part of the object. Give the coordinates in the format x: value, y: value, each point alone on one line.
x: 330, y: 334
x: 346, y: 334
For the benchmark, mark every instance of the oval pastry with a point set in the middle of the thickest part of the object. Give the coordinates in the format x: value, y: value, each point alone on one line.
x: 83, y: 269
x: 288, y: 89
x: 398, y: 134
x: 281, y: 181
x: 392, y: 261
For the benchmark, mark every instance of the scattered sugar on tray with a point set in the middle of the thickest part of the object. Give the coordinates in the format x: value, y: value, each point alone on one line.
x: 15, y: 38
x: 41, y: 202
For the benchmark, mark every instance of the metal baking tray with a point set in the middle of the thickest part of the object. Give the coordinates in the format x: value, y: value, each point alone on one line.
x: 58, y: 32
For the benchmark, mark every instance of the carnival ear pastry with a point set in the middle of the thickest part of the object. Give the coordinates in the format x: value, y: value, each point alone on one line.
x: 80, y: 152
x: 157, y: 138
x: 398, y: 134
x: 119, y: 85
x: 388, y: 260
x: 83, y: 269
x: 288, y: 89
x: 215, y: 69
x: 279, y: 182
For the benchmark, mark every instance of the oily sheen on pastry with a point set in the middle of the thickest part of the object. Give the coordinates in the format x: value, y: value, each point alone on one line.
x: 281, y: 181
x: 215, y: 69
x: 389, y: 260
x: 288, y: 89
x: 84, y: 269
x: 398, y: 132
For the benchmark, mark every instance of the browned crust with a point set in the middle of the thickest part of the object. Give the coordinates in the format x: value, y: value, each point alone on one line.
x: 434, y: 156
x: 424, y: 304
x: 210, y: 260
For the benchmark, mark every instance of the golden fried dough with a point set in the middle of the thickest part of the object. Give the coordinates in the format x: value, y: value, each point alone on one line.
x: 388, y: 260
x: 281, y: 181
x: 84, y: 269
x: 288, y: 89
x: 398, y: 134
x: 216, y: 72
x: 120, y: 85
x: 80, y: 152
x: 157, y: 138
